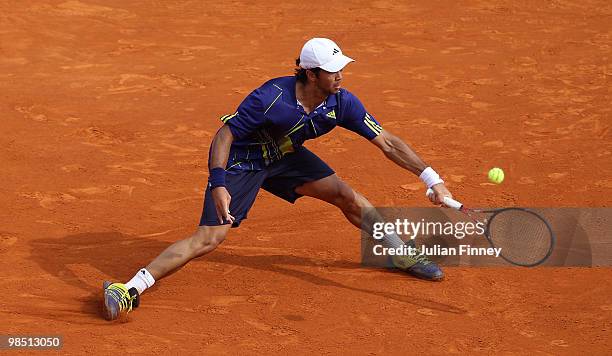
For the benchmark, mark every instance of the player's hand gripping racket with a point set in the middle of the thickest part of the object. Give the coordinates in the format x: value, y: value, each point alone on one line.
x: 525, y: 237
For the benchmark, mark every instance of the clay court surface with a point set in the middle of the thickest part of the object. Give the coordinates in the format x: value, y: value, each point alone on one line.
x: 108, y: 109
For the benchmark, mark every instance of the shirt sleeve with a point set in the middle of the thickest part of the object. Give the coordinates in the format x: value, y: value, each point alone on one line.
x: 356, y: 118
x: 248, y: 118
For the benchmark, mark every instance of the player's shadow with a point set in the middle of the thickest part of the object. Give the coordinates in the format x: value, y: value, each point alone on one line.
x: 80, y: 260
x: 278, y: 263
x: 76, y: 259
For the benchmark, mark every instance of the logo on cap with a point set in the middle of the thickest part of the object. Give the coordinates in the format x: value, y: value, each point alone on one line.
x: 323, y: 53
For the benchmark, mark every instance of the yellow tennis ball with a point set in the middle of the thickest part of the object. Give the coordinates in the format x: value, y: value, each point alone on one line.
x: 496, y: 175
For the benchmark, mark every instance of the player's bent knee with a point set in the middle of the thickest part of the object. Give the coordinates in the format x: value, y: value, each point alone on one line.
x: 207, y: 238
x: 346, y: 196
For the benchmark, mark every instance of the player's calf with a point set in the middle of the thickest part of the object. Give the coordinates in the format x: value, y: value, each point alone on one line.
x: 203, y: 241
x: 119, y: 299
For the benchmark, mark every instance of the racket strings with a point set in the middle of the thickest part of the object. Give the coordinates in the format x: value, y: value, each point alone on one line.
x: 523, y: 236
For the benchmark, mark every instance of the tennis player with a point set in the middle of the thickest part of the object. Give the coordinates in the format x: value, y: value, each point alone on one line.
x: 261, y: 146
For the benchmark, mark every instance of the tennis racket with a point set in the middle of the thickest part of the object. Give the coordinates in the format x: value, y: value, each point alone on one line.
x: 525, y: 237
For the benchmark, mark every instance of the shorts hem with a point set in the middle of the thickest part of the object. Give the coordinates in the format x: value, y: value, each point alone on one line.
x: 295, y: 196
x: 236, y: 223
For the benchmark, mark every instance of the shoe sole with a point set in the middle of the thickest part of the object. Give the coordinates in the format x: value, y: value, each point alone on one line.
x: 432, y: 279
x: 437, y: 279
x: 110, y: 309
x: 398, y: 263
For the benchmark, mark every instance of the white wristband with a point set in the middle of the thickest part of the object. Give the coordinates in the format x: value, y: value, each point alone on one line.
x: 430, y: 177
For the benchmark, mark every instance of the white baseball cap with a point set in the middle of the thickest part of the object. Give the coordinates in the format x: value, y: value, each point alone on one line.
x: 323, y: 53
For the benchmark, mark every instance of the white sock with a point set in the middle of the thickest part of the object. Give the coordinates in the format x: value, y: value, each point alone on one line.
x: 393, y: 240
x: 141, y: 281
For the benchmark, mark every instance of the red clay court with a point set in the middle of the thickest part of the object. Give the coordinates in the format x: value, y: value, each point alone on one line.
x: 108, y: 109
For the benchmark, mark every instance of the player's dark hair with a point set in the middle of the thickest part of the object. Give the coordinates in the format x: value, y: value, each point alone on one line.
x: 300, y: 73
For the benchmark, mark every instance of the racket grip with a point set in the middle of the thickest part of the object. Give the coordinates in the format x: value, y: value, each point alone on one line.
x: 449, y: 202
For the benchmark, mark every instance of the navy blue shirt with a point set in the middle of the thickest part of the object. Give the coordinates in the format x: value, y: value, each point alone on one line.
x: 270, y: 123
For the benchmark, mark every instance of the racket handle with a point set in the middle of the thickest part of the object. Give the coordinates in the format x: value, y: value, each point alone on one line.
x: 449, y: 202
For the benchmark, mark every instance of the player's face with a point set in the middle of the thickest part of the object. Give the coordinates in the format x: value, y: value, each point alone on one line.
x: 329, y: 82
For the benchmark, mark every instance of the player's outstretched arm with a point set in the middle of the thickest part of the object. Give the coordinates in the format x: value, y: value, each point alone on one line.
x: 396, y: 150
x: 399, y: 152
x: 217, y: 161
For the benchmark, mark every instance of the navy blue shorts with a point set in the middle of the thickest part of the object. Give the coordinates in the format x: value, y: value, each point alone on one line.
x: 280, y: 178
